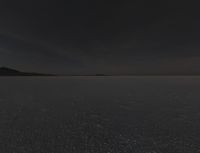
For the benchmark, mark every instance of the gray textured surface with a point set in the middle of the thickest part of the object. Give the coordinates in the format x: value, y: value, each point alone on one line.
x: 100, y: 115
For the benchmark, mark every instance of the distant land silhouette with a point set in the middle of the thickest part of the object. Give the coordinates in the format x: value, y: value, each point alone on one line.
x: 5, y: 71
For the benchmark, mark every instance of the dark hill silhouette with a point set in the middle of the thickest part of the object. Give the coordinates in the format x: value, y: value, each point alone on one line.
x: 5, y: 71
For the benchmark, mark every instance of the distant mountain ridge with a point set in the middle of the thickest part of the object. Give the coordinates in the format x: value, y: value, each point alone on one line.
x: 5, y: 71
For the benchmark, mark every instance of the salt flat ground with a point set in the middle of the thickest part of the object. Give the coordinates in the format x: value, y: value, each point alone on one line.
x: 100, y: 114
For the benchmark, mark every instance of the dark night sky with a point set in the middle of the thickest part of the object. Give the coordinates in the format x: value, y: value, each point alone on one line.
x: 100, y: 36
